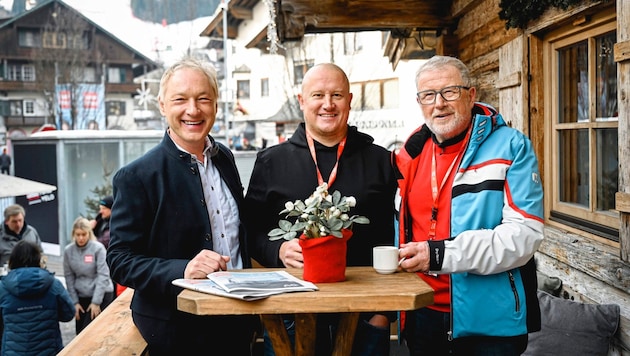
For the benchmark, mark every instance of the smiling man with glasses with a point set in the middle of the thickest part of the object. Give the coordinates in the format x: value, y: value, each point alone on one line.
x: 471, y: 218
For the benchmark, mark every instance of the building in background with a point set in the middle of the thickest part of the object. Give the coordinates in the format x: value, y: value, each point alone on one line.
x: 59, y: 68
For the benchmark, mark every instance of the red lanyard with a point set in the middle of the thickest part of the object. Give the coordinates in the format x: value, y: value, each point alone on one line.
x: 435, y: 190
x: 333, y: 173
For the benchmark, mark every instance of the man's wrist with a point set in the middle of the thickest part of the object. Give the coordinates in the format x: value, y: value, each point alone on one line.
x: 436, y: 254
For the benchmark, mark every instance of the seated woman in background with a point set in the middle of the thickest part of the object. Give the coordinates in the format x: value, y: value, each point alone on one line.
x: 33, y: 302
x: 87, y: 274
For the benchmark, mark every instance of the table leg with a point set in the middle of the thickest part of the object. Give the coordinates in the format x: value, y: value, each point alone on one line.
x: 345, y: 334
x: 305, y: 333
x: 274, y: 325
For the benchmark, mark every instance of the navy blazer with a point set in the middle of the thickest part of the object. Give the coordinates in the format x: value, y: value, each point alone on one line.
x: 160, y: 222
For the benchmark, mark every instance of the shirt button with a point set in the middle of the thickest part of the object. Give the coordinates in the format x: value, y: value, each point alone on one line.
x: 218, y: 211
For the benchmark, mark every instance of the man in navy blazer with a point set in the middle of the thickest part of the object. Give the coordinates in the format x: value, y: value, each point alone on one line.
x: 176, y: 214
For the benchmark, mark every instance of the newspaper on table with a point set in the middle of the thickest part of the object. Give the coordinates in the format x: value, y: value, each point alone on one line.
x: 247, y: 285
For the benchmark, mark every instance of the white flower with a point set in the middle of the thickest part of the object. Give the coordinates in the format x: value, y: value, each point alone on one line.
x: 321, y: 214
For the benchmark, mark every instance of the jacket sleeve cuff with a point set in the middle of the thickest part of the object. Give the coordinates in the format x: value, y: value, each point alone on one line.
x: 436, y: 255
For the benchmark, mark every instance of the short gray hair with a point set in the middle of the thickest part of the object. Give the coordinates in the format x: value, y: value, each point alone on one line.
x: 438, y: 62
x: 13, y: 210
x: 191, y: 63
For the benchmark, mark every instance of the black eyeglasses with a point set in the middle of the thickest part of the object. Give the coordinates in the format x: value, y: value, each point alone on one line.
x: 427, y: 97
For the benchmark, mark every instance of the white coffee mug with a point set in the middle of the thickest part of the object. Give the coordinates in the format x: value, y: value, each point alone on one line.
x: 385, y: 259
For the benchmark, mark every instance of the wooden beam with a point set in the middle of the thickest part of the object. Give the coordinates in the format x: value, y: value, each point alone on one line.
x: 622, y: 202
x: 622, y: 51
x: 241, y: 13
x: 307, y: 16
x: 511, y: 80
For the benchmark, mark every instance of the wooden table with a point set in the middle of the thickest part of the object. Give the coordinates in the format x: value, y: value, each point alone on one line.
x: 364, y: 290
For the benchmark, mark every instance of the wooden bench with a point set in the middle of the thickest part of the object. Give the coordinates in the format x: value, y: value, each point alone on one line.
x: 111, y: 333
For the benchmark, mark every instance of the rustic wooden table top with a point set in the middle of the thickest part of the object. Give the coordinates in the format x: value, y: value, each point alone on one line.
x: 364, y: 290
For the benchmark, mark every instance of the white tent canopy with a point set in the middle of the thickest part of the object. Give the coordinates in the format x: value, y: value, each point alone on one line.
x: 11, y: 186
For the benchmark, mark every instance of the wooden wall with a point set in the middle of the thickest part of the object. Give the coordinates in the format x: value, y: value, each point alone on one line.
x: 508, y: 65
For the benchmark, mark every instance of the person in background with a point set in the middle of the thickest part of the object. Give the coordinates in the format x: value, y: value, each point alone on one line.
x: 100, y: 225
x: 5, y: 162
x: 87, y: 274
x: 471, y: 219
x: 33, y: 302
x: 176, y: 214
x: 15, y: 229
x: 325, y: 149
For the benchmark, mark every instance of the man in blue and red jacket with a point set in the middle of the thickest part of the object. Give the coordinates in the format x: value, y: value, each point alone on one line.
x: 471, y: 219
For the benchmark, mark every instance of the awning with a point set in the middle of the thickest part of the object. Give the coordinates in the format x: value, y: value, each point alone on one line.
x: 11, y: 186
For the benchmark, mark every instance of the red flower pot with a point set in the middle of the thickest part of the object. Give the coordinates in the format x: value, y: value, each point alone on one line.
x: 325, y: 258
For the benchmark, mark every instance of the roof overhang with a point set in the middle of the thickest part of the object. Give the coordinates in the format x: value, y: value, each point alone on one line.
x: 418, y: 28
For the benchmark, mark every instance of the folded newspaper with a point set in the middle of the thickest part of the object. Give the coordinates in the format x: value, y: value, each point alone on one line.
x: 247, y: 285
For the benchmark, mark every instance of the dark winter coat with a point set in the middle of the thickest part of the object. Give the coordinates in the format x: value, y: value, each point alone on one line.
x: 33, y: 302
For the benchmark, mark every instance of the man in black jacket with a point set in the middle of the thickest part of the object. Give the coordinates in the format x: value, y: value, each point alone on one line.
x: 176, y: 215
x: 325, y: 149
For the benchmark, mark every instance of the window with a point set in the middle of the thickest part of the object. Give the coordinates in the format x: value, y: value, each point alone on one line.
x: 15, y: 107
x: 583, y: 136
x: 29, y: 107
x: 83, y: 74
x: 29, y: 38
x: 115, y: 75
x: 79, y: 41
x: 28, y: 73
x: 351, y: 43
x: 21, y: 72
x: 375, y: 95
x: 243, y: 89
x: 299, y: 69
x: 115, y: 108
x: 54, y: 40
x: 264, y: 87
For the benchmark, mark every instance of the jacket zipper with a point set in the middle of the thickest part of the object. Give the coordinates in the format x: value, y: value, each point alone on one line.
x: 513, y: 286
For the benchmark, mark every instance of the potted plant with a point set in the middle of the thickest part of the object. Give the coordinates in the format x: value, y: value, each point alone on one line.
x: 325, y: 227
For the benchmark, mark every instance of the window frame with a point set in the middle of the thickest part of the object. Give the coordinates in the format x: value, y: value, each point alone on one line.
x: 54, y: 39
x: 243, y: 89
x: 584, y: 220
x: 28, y: 107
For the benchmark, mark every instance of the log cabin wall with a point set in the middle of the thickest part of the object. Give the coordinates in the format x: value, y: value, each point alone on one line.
x: 509, y: 66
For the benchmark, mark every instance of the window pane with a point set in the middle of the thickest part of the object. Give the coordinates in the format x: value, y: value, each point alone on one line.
x: 573, y: 77
x: 264, y: 87
x: 243, y: 89
x: 357, y: 96
x: 607, y: 168
x: 28, y: 73
x: 606, y: 101
x: 390, y: 94
x: 113, y: 75
x: 573, y: 167
x: 372, y: 96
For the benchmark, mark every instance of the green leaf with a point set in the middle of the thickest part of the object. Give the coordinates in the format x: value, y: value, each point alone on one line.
x: 299, y: 226
x: 360, y: 219
x: 276, y: 232
x: 336, y: 234
x: 336, y: 197
x: 286, y: 236
x: 335, y: 224
x: 285, y: 225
